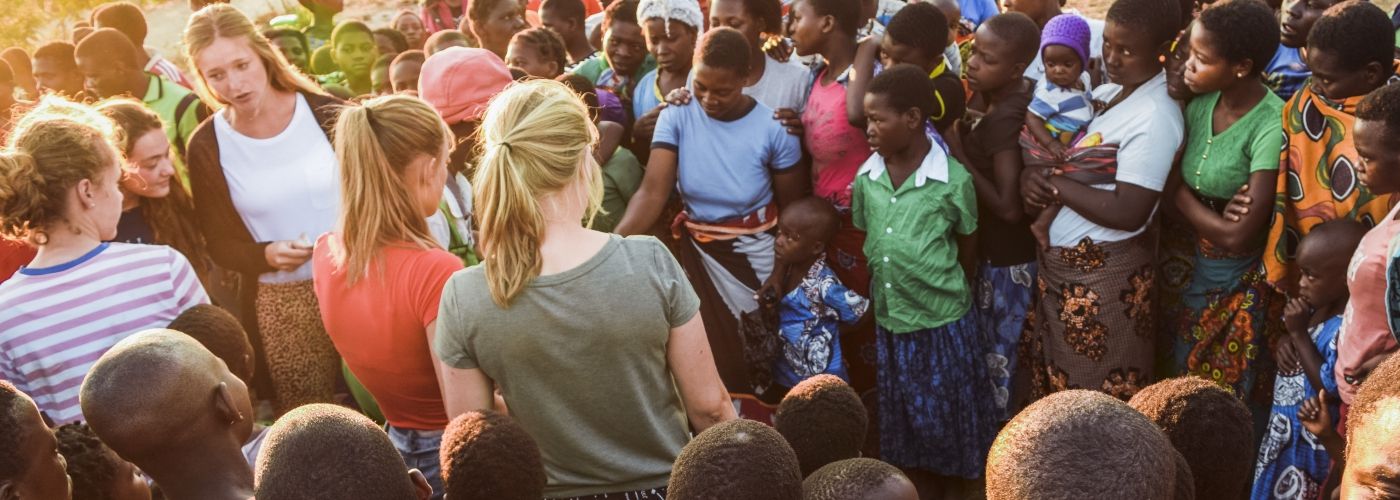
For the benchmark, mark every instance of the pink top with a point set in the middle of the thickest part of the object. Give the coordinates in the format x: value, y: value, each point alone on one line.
x: 379, y: 326
x: 1365, y: 330
x: 838, y: 149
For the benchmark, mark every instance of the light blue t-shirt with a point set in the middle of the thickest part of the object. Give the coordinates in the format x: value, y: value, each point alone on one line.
x: 644, y: 97
x: 724, y: 168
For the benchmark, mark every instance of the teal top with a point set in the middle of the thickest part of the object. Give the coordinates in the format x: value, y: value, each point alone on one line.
x: 1216, y: 165
x: 916, y: 281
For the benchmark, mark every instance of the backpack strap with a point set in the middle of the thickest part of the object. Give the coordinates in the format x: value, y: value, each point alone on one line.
x: 180, y: 109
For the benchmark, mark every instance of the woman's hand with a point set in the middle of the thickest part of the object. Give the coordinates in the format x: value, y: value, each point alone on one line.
x: 288, y: 255
x: 1239, y: 205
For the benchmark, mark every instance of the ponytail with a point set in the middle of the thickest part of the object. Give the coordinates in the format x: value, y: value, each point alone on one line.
x: 535, y: 137
x: 375, y: 142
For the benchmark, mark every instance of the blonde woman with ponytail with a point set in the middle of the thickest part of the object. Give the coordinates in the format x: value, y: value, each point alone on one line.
x: 593, y: 339
x: 59, y: 190
x: 265, y: 184
x: 379, y: 276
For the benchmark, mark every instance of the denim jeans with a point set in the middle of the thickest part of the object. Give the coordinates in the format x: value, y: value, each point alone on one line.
x: 420, y: 451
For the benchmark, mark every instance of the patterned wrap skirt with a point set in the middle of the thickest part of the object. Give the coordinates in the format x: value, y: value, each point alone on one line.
x: 937, y: 410
x: 1002, y: 297
x: 1093, y: 328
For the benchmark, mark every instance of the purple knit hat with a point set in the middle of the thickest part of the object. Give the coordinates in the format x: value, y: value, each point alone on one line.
x: 1069, y: 30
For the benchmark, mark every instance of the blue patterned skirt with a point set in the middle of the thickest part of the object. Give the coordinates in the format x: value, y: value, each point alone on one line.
x: 937, y: 406
x: 1001, y: 299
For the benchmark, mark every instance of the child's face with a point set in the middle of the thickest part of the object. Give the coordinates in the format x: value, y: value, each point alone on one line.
x: 732, y: 14
x: 385, y: 45
x: 625, y: 46
x: 1323, y: 269
x: 412, y: 29
x: 886, y: 129
x: 355, y: 54
x: 1130, y: 55
x: 1207, y: 69
x: 1299, y: 18
x: 893, y: 53
x: 1372, y: 457
x: 1176, y: 68
x: 806, y: 29
x: 992, y: 65
x: 1335, y: 81
x: 404, y: 76
x: 379, y: 80
x: 528, y: 58
x: 719, y: 91
x: 128, y: 484
x: 46, y: 472
x: 292, y: 49
x: 1379, y: 168
x: 673, y: 49
x: 1062, y: 65
x: 797, y: 239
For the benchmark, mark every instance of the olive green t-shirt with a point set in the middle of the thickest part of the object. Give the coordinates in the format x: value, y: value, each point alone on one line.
x: 580, y: 357
x: 1216, y: 165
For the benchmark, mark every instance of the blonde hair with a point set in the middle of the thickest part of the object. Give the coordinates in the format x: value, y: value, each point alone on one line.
x: 374, y: 142
x: 535, y: 137
x: 50, y: 149
x: 224, y: 21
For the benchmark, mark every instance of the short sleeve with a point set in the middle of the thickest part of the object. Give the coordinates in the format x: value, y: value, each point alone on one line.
x: 184, y: 283
x: 1145, y: 156
x: 682, y: 303
x: 786, y: 149
x: 849, y: 305
x: 964, y: 200
x: 452, y: 342
x: 858, y: 201
x: 1265, y: 145
x: 424, y: 287
x: 667, y: 134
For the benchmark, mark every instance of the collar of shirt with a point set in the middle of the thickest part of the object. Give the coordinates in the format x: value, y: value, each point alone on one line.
x: 934, y: 166
x: 154, y: 90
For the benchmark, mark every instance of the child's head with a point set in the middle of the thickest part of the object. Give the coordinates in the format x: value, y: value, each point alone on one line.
x: 493, y: 23
x: 324, y: 451
x: 670, y: 28
x: 753, y: 18
x: 623, y: 43
x: 404, y: 72
x: 1373, y: 452
x: 30, y: 465
x: 353, y: 49
x: 1299, y: 18
x: 1322, y: 259
x: 1064, y: 48
x: 539, y: 52
x: 822, y: 418
x: 1006, y: 44
x: 97, y: 472
x: 444, y: 40
x: 486, y: 455
x: 739, y: 459
x: 187, y: 396
x: 1136, y: 36
x: 1233, y: 41
x: 379, y: 77
x: 952, y: 11
x: 1350, y: 50
x: 813, y: 21
x: 1376, y: 134
x: 125, y: 17
x: 410, y: 25
x: 586, y: 91
x: 721, y: 70
x: 221, y: 333
x: 1177, y: 54
x: 897, y: 104
x: 916, y: 35
x: 565, y: 17
x: 1209, y: 426
x: 323, y: 61
x: 858, y: 479
x: 390, y: 42
x: 292, y: 44
x: 804, y: 230
x: 1080, y: 444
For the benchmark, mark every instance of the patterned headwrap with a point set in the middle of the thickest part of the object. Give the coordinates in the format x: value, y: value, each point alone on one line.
x: 685, y: 11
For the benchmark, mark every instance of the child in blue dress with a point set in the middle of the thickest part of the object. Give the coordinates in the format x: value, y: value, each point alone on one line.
x: 1293, y: 462
x: 815, y: 304
x: 937, y: 407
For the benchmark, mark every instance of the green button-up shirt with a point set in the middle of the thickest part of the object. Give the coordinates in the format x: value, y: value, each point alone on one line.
x: 914, y: 272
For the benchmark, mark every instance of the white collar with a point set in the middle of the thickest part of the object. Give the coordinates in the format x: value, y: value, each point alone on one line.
x: 934, y: 166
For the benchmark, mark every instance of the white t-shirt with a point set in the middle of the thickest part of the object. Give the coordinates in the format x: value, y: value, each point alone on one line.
x: 1147, y: 127
x: 1036, y: 71
x: 285, y: 187
x: 784, y: 84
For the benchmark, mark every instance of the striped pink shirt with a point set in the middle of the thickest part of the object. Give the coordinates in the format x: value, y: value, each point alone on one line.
x: 56, y: 321
x: 163, y: 67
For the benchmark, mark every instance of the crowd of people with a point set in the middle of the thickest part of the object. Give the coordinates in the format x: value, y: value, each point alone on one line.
x: 641, y: 249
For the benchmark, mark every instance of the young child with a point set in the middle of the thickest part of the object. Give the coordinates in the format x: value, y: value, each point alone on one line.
x: 858, y: 479
x: 188, y: 397
x: 917, y: 35
x: 919, y: 210
x: 487, y: 456
x: 390, y: 42
x: 1061, y: 107
x: 379, y: 77
x: 539, y: 52
x: 1083, y: 444
x: 624, y: 59
x: 1210, y: 427
x: 328, y: 452
x: 404, y: 72
x: 815, y: 304
x: 97, y: 472
x: 1290, y: 458
x: 293, y: 46
x: 741, y: 459
x: 353, y: 49
x: 30, y: 463
x: 444, y: 40
x: 823, y: 420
